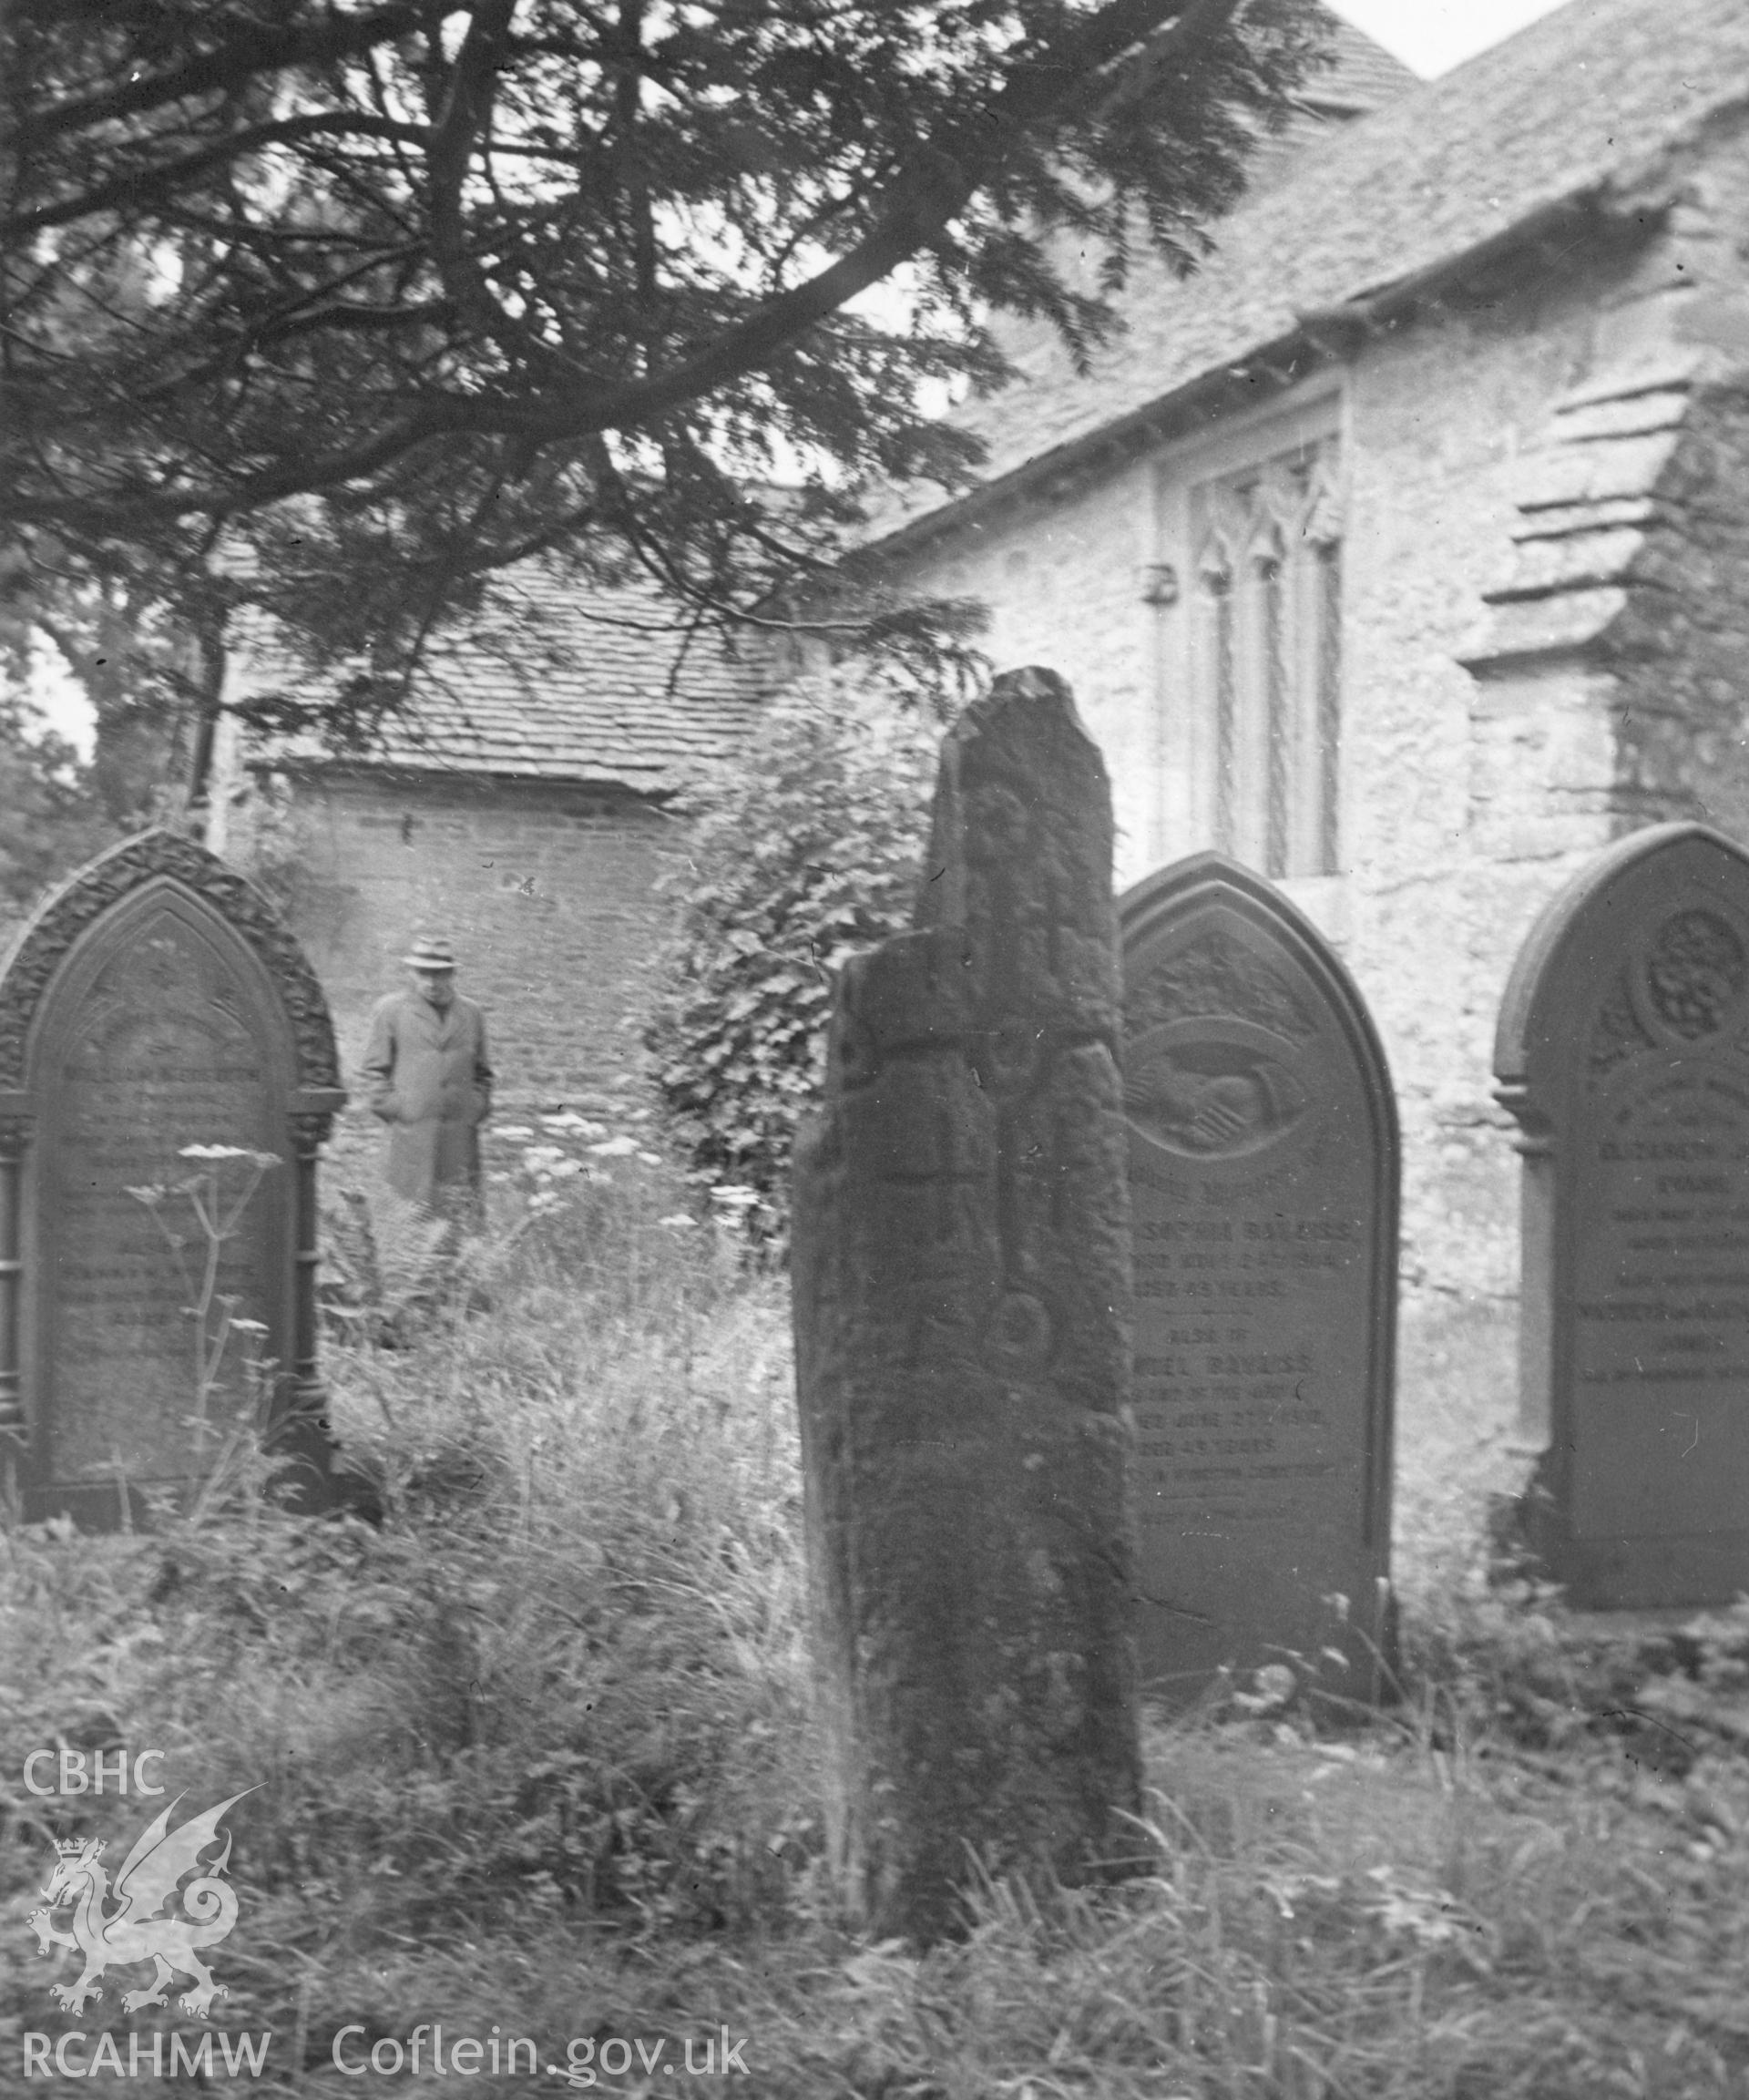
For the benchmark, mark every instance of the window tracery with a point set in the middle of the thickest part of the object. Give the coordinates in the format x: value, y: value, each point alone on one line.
x: 1267, y: 659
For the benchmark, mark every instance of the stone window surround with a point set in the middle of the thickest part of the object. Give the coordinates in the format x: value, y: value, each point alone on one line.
x: 1187, y: 758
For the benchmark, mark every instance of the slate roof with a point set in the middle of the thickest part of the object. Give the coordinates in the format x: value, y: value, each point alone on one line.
x: 1577, y: 106
x: 600, y: 688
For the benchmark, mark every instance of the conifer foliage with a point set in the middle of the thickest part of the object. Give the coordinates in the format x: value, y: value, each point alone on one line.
x: 335, y: 305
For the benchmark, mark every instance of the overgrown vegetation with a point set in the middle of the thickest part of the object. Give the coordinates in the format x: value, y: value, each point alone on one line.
x: 805, y: 850
x: 534, y: 1753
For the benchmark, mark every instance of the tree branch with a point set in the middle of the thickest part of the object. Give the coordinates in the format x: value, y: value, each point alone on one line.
x: 467, y: 115
x: 1053, y: 81
x: 252, y: 47
x: 941, y: 182
x: 137, y: 184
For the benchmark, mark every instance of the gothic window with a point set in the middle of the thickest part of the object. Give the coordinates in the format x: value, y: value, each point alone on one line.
x: 1266, y: 664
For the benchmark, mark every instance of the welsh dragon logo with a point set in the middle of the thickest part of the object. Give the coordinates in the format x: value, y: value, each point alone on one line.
x: 135, y: 1933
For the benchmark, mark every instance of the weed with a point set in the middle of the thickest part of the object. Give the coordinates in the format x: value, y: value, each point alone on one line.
x: 216, y: 1194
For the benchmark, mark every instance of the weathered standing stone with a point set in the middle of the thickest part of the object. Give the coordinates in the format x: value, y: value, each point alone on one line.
x: 961, y: 1298
x: 1264, y: 1176
x: 154, y: 1001
x: 1623, y: 1052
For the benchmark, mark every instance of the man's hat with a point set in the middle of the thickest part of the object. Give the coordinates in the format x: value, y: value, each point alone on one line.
x: 430, y: 955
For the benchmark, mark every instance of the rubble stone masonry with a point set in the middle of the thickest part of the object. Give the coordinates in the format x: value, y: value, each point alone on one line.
x: 1545, y: 621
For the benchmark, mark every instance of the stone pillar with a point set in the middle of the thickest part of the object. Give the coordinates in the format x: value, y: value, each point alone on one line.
x: 961, y: 1281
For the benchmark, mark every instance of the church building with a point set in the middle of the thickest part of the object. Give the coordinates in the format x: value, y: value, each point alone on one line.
x: 1403, y: 551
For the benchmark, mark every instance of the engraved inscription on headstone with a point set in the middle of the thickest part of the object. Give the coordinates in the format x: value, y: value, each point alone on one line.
x: 157, y: 1053
x: 1623, y: 1052
x: 152, y: 1004
x: 1264, y: 1169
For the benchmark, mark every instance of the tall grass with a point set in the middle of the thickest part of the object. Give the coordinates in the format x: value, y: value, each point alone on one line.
x: 534, y: 1753
x: 563, y: 1680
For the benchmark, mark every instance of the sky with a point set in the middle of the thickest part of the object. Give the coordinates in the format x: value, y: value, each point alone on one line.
x: 1434, y: 36
x: 1429, y: 35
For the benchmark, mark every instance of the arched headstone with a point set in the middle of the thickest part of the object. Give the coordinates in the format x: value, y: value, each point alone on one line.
x: 154, y: 1002
x: 1623, y: 1052
x: 1263, y: 1178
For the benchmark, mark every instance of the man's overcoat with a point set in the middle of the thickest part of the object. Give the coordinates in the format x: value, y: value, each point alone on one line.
x: 430, y: 1081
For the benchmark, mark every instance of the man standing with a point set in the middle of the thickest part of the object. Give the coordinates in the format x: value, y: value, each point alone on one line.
x: 430, y: 1081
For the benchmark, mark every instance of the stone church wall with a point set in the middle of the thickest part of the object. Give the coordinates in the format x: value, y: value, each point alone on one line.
x: 1482, y: 764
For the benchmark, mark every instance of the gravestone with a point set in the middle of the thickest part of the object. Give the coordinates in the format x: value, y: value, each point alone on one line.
x: 960, y: 1290
x: 1264, y: 1177
x: 154, y: 1002
x: 1623, y: 1052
